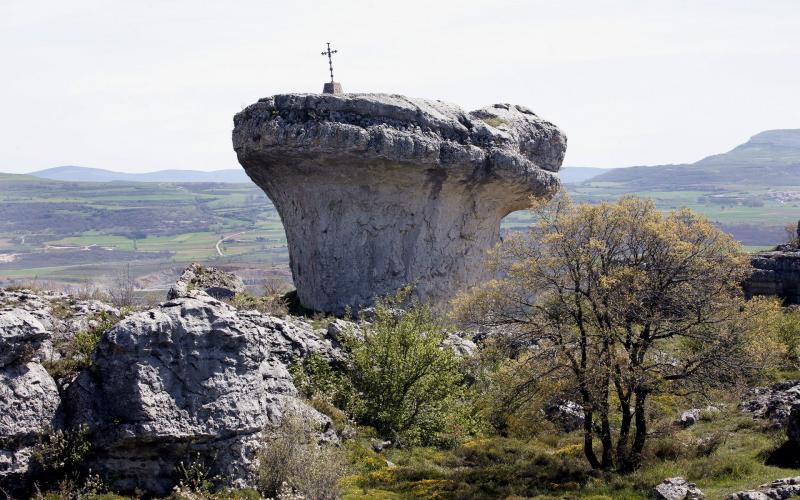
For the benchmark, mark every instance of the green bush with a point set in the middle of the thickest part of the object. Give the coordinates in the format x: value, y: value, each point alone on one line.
x: 406, y: 380
x: 76, y: 352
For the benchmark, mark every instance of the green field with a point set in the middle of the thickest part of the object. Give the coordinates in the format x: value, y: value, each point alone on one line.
x: 75, y: 233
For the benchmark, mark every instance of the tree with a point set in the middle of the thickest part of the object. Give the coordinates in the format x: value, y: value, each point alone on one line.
x: 405, y: 377
x: 613, y: 303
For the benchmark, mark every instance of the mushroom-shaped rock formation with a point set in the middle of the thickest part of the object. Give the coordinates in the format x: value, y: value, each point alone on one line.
x: 376, y: 191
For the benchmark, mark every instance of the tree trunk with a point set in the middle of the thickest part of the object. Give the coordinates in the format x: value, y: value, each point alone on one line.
x: 606, y: 440
x: 641, y: 428
x: 588, y: 448
x: 624, y: 434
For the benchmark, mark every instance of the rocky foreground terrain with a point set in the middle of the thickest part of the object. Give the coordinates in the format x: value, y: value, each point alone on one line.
x: 196, y: 379
x: 191, y: 378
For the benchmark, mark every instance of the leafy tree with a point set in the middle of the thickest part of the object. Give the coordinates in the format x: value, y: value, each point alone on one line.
x: 614, y: 303
x: 405, y: 377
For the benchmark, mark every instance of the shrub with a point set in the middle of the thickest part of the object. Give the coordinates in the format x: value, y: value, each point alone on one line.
x: 122, y: 288
x: 406, y: 380
x: 59, y: 457
x: 272, y: 304
x: 76, y: 352
x: 194, y: 475
x: 292, y: 457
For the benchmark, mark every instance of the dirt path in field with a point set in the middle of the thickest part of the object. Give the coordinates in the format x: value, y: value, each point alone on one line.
x: 222, y: 240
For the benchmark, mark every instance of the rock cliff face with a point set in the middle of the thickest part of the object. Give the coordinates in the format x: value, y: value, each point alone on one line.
x: 377, y: 191
x: 776, y: 274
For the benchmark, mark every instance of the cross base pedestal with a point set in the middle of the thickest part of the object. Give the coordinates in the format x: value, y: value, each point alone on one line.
x: 332, y: 88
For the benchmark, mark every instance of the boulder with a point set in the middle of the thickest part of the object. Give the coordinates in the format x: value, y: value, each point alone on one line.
x: 61, y: 315
x: 690, y: 417
x: 677, y: 488
x: 29, y: 408
x: 773, y: 403
x: 779, y: 489
x: 213, y: 281
x: 462, y: 346
x: 21, y: 335
x: 190, y: 380
x: 376, y: 191
x: 567, y: 415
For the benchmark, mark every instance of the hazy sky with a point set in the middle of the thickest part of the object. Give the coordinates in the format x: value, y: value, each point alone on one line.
x: 139, y: 86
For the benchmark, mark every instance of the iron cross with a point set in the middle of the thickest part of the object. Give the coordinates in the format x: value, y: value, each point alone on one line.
x: 329, y: 53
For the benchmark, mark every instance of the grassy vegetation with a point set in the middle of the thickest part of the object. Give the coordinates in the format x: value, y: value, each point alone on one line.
x: 551, y: 465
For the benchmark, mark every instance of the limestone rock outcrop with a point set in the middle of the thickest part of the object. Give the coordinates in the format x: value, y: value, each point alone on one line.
x: 779, y: 489
x: 677, y: 488
x: 773, y: 403
x: 376, y: 191
x: 777, y: 274
x: 215, y: 282
x: 29, y: 399
x: 189, y: 380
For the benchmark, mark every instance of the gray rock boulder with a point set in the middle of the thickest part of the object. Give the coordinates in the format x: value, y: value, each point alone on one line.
x: 461, y: 346
x: 677, y: 488
x: 377, y: 191
x: 29, y: 408
x: 21, y: 335
x: 567, y: 415
x: 780, y: 489
x: 213, y: 281
x: 773, y: 403
x: 689, y: 417
x: 61, y: 315
x: 190, y: 380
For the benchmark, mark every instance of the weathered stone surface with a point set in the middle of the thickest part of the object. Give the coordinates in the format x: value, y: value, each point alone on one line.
x: 377, y: 191
x: 677, y: 488
x: 29, y: 404
x: 60, y: 314
x: 460, y: 345
x: 772, y: 403
x: 215, y: 282
x: 780, y: 489
x: 567, y: 415
x: 690, y: 417
x: 192, y: 379
x: 776, y: 274
x: 290, y: 338
x: 21, y: 335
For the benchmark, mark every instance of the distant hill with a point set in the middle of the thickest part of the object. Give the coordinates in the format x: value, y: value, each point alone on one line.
x: 85, y: 174
x: 771, y: 158
x: 570, y: 175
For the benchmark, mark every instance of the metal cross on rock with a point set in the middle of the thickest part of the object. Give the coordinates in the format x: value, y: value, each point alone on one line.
x: 329, y: 53
x: 332, y: 87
